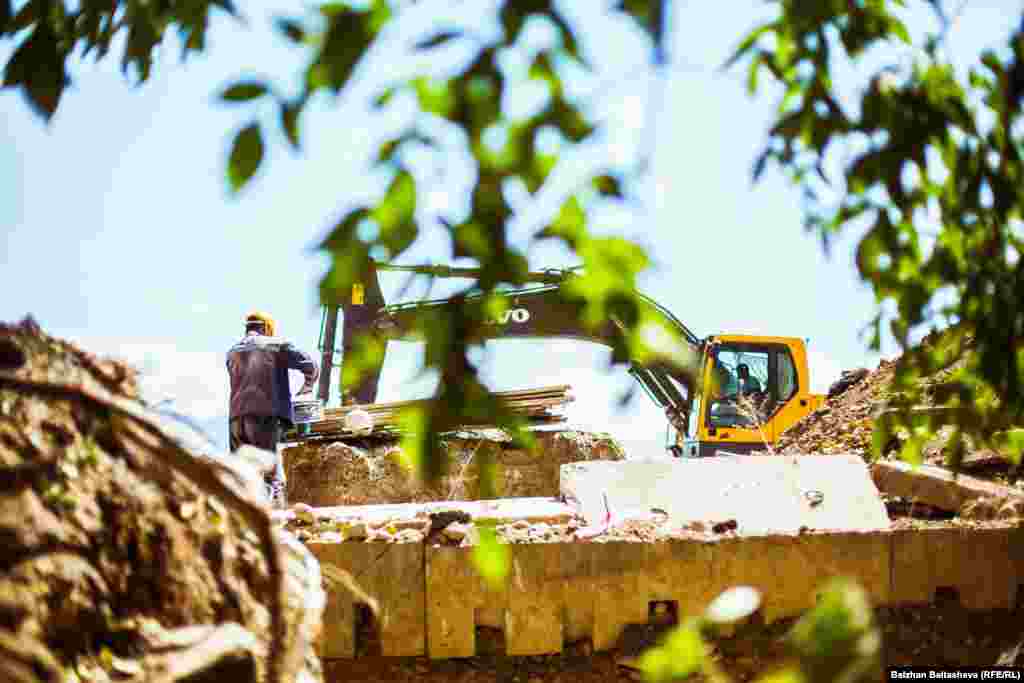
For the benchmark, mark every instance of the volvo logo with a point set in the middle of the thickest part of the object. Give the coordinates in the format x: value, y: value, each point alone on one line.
x: 515, y: 315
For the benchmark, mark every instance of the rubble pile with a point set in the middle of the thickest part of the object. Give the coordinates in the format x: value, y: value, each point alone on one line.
x: 442, y: 526
x: 125, y: 555
x: 845, y: 422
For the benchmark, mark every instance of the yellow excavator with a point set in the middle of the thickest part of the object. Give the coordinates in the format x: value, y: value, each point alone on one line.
x: 746, y: 392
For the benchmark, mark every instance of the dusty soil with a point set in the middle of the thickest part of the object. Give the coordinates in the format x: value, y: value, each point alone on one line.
x: 370, y: 471
x: 106, y: 549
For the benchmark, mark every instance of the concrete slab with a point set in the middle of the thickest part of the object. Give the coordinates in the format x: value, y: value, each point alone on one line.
x: 764, y: 494
x: 937, y: 486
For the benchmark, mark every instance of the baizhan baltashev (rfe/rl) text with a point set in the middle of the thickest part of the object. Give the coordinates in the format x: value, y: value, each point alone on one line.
x: 955, y: 673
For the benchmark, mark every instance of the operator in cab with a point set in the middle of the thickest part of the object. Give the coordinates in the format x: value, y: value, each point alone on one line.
x: 261, y: 400
x: 748, y: 384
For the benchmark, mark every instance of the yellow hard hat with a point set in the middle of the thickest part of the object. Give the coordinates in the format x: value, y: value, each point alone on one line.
x: 269, y: 326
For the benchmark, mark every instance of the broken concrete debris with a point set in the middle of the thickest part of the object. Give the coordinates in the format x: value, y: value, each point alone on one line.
x: 938, y: 487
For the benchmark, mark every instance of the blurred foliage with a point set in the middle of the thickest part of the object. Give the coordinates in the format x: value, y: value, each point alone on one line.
x: 925, y: 159
x: 50, y: 32
x: 836, y: 641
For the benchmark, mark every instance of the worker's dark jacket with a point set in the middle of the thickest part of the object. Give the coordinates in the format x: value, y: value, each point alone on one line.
x: 258, y: 367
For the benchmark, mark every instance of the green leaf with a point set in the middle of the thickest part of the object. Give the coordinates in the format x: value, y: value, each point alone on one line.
x: 246, y: 156
x: 570, y: 120
x: 228, y: 6
x: 640, y: 10
x: 745, y: 45
x: 6, y: 14
x: 291, y: 29
x: 682, y: 654
x: 349, y: 35
x: 569, y: 224
x: 243, y: 91
x: 399, y: 202
x: 396, y: 215
x: 752, y: 72
x: 838, y: 636
x: 471, y: 239
x: 491, y: 558
x: 760, y: 163
x: 38, y: 67
x: 290, y: 122
x: 435, y: 97
x: 991, y: 60
x: 439, y: 39
x: 608, y: 186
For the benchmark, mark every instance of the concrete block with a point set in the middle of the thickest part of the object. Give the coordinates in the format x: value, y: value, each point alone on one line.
x: 764, y: 494
x: 454, y: 593
x: 618, y: 589
x: 936, y: 486
x: 683, y: 572
x: 536, y: 599
x: 390, y: 573
x: 980, y: 564
x: 531, y: 609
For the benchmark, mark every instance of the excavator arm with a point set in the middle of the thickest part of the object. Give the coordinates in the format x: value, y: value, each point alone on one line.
x: 542, y: 311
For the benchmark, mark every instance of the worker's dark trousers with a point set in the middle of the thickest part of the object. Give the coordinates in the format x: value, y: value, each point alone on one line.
x: 262, y: 432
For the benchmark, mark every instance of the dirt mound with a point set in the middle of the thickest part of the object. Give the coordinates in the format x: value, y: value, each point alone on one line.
x: 845, y: 422
x: 371, y: 471
x: 118, y: 564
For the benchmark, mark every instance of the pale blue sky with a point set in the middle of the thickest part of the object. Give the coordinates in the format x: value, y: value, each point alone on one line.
x: 118, y: 231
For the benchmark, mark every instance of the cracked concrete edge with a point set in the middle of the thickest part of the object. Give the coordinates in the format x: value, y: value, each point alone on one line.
x: 936, y: 486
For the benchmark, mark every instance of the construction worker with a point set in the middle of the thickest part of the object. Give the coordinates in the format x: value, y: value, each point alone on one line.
x: 261, y: 401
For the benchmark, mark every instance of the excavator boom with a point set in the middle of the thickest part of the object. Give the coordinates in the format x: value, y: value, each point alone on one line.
x: 541, y: 311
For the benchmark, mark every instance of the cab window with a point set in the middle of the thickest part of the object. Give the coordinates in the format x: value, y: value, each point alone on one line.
x: 749, y: 383
x: 787, y: 375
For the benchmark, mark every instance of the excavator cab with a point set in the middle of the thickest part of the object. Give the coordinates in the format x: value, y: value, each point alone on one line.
x: 753, y: 389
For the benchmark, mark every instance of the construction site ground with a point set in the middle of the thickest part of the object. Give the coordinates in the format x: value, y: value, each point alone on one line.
x: 943, y: 633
